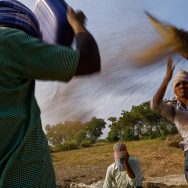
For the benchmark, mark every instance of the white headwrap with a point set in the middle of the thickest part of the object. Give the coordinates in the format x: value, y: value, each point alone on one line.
x: 181, y: 75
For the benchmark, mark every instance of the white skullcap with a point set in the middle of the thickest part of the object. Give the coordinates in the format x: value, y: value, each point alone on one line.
x: 181, y: 75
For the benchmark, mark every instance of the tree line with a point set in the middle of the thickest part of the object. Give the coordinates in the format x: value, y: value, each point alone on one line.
x: 138, y: 123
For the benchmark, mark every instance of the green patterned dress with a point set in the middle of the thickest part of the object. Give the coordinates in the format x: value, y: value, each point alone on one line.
x: 25, y: 160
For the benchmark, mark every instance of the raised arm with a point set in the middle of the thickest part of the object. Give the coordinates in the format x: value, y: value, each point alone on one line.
x: 158, y: 97
x: 89, y: 61
x: 130, y: 171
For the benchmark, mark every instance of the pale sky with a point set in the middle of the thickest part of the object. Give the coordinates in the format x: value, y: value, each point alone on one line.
x: 119, y: 26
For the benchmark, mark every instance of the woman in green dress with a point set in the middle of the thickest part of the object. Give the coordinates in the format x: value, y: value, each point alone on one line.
x: 25, y: 160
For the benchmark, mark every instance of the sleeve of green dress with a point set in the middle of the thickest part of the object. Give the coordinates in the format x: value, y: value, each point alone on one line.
x: 32, y: 58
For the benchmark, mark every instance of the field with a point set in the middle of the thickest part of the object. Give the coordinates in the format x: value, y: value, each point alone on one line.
x: 89, y: 164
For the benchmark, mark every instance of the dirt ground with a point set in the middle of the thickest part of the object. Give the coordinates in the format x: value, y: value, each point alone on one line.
x: 89, y: 165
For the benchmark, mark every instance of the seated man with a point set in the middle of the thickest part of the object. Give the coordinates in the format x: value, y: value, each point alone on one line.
x: 125, y: 171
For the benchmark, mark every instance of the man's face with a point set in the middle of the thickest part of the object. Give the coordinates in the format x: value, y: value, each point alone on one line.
x: 181, y: 89
x: 121, y: 154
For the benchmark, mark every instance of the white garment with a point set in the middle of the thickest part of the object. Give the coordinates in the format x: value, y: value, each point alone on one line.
x: 120, y: 179
x: 178, y: 114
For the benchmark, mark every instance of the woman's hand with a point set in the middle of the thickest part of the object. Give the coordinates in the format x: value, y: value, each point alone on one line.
x: 169, y: 69
x: 76, y: 20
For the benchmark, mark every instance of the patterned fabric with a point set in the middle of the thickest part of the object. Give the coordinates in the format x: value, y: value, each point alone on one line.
x: 179, y: 106
x: 16, y: 15
x: 25, y: 160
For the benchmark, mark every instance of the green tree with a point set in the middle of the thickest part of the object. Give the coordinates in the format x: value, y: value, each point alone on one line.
x: 113, y: 134
x: 80, y: 136
x: 94, y: 128
x: 61, y: 132
x: 54, y: 135
x: 140, y: 122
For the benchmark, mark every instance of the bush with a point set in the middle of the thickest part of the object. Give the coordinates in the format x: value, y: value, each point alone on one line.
x: 80, y: 136
x: 51, y: 148
x: 86, y: 143
x: 56, y: 148
x: 68, y: 145
x: 113, y: 136
x: 101, y: 142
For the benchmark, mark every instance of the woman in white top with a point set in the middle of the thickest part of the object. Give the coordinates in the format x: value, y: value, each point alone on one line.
x: 177, y: 111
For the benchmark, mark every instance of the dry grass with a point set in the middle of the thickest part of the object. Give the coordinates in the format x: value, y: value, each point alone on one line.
x: 89, y: 164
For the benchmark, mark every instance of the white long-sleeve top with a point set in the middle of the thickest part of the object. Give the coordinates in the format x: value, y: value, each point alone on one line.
x: 176, y: 113
x: 120, y: 179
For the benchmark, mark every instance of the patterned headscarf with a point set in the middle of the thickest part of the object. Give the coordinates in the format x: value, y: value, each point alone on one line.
x: 120, y: 150
x: 181, y: 75
x: 16, y: 15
